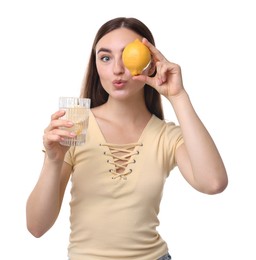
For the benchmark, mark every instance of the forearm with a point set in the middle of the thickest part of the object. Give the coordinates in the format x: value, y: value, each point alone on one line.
x: 44, y: 202
x: 206, y: 163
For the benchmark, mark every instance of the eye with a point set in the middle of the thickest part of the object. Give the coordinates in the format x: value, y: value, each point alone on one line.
x: 105, y: 58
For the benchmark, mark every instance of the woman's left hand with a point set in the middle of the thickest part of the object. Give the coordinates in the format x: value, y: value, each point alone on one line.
x: 168, y: 78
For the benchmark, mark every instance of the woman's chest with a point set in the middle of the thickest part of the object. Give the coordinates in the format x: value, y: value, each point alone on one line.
x: 110, y: 171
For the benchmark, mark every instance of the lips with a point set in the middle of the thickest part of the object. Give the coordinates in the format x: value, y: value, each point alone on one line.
x: 119, y: 83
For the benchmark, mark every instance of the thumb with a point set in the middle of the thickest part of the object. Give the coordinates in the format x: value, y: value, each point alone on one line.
x: 146, y: 79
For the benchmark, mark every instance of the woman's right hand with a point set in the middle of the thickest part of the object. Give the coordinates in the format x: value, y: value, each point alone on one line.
x: 53, y: 134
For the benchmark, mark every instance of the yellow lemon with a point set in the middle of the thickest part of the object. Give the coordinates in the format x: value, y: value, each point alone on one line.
x: 136, y: 56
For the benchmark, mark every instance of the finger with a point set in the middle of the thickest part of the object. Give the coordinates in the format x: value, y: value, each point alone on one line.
x: 57, y: 122
x: 162, y: 69
x: 146, y: 79
x: 58, y: 114
x: 50, y: 138
x: 157, y: 55
x: 62, y: 133
x: 57, y: 135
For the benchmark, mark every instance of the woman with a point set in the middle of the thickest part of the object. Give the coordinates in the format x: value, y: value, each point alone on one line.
x: 118, y: 174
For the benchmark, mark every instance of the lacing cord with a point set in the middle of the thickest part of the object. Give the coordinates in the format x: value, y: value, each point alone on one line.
x: 121, y: 157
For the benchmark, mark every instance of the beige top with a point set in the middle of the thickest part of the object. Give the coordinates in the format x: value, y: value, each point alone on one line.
x: 116, y: 192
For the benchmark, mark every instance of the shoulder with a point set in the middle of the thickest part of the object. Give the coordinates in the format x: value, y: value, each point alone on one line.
x: 168, y: 131
x: 164, y: 125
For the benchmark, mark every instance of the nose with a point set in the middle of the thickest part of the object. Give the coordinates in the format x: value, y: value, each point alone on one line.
x: 119, y: 67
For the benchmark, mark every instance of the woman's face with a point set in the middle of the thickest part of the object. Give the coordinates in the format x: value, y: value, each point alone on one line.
x: 114, y: 77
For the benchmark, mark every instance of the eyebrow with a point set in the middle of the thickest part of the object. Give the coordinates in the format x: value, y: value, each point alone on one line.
x: 103, y: 50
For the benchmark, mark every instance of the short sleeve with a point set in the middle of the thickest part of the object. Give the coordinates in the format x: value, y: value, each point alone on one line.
x: 172, y: 140
x: 69, y: 156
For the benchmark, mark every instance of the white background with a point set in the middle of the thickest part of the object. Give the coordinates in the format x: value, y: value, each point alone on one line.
x: 44, y: 47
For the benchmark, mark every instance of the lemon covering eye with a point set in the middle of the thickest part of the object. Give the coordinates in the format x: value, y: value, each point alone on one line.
x: 136, y: 56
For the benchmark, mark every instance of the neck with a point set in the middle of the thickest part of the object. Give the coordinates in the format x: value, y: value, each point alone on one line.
x: 128, y: 110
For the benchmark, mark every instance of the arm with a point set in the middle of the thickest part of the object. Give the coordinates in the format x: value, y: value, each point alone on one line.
x: 44, y: 202
x: 198, y: 158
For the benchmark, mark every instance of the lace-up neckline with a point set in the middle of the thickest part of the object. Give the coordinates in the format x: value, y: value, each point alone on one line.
x: 120, y: 157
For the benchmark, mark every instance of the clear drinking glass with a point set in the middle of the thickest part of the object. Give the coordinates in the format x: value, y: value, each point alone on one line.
x: 77, y: 110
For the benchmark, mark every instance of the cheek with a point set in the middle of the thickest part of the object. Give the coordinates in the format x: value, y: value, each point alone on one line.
x: 104, y: 75
x: 103, y: 71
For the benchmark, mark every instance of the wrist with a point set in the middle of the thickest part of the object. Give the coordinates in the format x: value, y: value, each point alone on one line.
x: 181, y: 97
